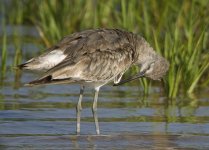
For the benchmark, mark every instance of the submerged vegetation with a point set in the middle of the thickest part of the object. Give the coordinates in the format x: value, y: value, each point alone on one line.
x: 179, y: 30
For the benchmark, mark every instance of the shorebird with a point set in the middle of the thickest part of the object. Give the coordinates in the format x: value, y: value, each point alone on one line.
x: 94, y: 58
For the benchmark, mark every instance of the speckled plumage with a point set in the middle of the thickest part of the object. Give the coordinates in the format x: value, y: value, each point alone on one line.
x: 96, y: 57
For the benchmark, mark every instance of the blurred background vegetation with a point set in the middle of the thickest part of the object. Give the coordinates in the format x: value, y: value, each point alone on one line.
x: 178, y: 29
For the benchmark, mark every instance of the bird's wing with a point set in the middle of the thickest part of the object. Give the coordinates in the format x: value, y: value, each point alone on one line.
x: 67, y: 47
x: 98, y: 55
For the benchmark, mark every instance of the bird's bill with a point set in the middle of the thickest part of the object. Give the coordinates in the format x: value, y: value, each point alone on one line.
x: 139, y: 75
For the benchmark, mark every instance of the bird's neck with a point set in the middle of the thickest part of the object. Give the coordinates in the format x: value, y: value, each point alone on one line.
x: 144, y: 52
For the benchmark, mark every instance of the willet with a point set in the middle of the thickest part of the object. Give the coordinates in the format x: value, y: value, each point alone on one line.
x: 94, y: 58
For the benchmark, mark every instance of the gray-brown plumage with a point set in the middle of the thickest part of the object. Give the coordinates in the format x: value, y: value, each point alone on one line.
x: 94, y: 58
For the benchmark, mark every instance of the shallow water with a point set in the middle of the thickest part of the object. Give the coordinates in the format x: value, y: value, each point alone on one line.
x: 44, y: 117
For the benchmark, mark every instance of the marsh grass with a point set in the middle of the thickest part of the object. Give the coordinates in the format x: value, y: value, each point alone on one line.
x: 4, y: 55
x: 4, y: 48
x: 176, y: 29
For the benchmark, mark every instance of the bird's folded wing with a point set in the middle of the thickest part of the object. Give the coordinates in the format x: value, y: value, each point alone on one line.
x: 96, y: 56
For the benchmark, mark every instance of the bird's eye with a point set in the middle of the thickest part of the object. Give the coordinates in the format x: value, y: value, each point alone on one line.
x: 150, y: 68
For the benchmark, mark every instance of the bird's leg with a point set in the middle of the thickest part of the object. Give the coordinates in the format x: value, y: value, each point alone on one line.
x: 78, y: 109
x: 94, y: 110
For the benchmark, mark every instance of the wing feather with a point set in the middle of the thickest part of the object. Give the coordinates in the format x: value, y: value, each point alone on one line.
x: 97, y: 55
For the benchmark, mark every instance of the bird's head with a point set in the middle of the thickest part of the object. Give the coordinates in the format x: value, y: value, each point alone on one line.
x: 155, y: 69
x: 153, y: 65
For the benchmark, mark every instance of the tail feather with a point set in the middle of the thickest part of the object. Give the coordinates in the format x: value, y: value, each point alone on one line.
x: 44, y: 80
x: 32, y: 64
x: 48, y: 80
x: 22, y: 66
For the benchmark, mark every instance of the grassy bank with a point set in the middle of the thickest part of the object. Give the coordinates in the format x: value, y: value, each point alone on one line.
x: 179, y: 30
